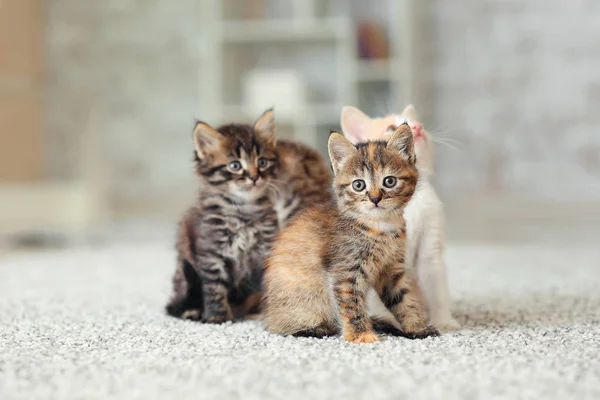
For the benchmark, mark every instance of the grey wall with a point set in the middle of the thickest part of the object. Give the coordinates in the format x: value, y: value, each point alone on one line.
x: 515, y: 82
x: 126, y: 71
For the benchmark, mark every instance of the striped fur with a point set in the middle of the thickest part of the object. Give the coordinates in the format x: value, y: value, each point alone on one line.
x: 424, y: 214
x: 304, y: 180
x: 323, y: 263
x: 224, y: 238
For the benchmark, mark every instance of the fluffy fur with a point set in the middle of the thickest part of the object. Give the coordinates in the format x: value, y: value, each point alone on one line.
x: 424, y: 214
x: 251, y: 185
x: 323, y: 264
x: 304, y: 180
x: 222, y: 240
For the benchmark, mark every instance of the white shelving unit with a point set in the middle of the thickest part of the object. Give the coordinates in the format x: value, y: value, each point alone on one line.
x: 234, y: 43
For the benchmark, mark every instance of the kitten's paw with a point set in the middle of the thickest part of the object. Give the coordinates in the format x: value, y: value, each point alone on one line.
x: 430, y: 331
x: 193, y: 314
x: 216, y: 319
x: 219, y: 315
x: 446, y: 324
x: 412, y: 325
x: 419, y: 331
x: 364, y: 337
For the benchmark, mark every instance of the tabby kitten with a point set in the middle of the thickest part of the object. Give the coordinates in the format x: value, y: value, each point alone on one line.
x: 323, y: 263
x: 304, y: 179
x: 223, y: 239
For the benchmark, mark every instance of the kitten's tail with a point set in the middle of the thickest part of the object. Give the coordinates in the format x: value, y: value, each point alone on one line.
x: 381, y: 325
x: 319, y: 332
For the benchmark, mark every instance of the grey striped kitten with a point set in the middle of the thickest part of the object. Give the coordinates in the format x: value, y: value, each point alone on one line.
x: 224, y: 239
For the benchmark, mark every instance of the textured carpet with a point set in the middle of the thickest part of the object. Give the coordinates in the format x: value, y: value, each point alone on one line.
x: 88, y: 324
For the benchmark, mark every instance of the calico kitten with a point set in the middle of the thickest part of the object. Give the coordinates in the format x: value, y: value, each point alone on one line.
x: 223, y: 239
x: 424, y: 214
x: 322, y: 265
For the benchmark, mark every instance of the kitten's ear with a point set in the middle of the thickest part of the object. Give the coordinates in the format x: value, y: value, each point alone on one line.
x: 206, y: 139
x: 354, y: 124
x: 402, y: 142
x: 265, y: 127
x: 340, y: 150
x: 410, y: 112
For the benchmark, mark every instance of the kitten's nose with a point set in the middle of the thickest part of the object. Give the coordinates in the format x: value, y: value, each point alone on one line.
x: 253, y: 178
x: 417, y: 129
x: 375, y: 199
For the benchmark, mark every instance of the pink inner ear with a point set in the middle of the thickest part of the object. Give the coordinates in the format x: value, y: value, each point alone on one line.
x: 355, y: 137
x: 354, y: 124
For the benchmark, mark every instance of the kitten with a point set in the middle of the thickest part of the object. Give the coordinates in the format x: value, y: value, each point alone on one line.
x: 424, y: 214
x: 322, y: 264
x: 223, y: 239
x: 304, y: 179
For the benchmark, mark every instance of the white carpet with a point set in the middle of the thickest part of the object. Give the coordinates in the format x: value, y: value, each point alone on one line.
x: 89, y: 324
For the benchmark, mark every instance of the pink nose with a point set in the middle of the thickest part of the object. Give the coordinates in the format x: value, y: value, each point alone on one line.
x: 417, y: 129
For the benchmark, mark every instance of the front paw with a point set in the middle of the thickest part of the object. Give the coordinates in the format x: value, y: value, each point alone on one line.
x: 192, y: 314
x: 446, y: 324
x: 363, y: 337
x: 411, y: 324
x: 429, y: 331
x: 216, y: 319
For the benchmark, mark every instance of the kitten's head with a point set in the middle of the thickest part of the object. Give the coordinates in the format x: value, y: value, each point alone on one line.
x: 359, y: 127
x: 237, y: 159
x: 373, y: 180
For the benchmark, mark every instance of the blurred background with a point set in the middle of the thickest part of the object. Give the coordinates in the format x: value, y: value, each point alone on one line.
x: 98, y: 99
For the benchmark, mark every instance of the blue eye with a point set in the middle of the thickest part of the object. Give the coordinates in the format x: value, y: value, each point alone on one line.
x: 262, y: 162
x: 359, y: 185
x: 235, y: 166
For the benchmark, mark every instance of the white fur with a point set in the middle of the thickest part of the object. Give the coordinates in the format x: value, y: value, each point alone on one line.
x: 424, y: 217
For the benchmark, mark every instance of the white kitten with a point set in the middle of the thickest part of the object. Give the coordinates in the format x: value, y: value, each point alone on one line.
x: 424, y: 214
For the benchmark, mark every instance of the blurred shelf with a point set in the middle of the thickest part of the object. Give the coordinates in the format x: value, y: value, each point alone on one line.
x: 375, y: 70
x: 48, y: 205
x: 313, y: 114
x: 239, y: 43
x: 327, y: 113
x: 285, y: 30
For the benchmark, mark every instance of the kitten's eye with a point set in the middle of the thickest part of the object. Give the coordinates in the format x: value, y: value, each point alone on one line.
x: 391, y: 129
x: 390, y: 181
x: 359, y: 185
x: 262, y: 162
x: 235, y: 166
